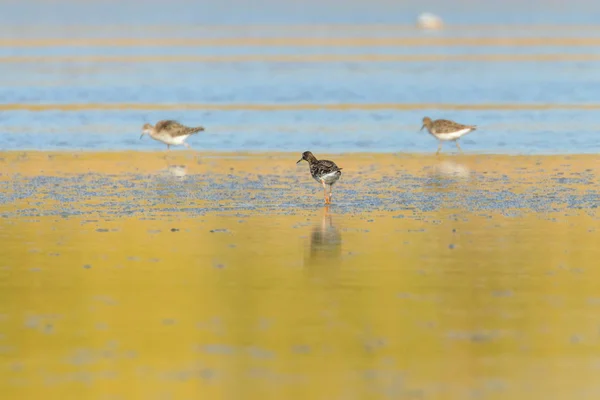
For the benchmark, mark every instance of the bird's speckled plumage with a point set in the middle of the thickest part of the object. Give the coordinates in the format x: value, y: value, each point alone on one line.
x: 170, y: 132
x: 446, y: 130
x: 323, y: 171
x: 174, y: 128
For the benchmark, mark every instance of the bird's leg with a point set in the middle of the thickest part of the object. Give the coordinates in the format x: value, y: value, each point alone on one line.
x: 330, y: 195
x: 439, y: 148
x: 168, y: 147
x: 458, y: 146
x: 325, y: 191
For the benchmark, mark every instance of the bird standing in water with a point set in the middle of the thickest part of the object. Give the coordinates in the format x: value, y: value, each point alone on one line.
x: 323, y: 171
x: 170, y: 132
x: 444, y: 130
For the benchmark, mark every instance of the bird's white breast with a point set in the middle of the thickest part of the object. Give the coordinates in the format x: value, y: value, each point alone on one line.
x: 329, y: 178
x: 453, y: 135
x: 168, y: 139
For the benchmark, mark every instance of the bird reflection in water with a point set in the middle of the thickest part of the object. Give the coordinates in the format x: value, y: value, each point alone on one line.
x: 325, y: 248
x: 449, y: 176
x: 177, y: 171
x: 172, y: 172
x: 451, y: 170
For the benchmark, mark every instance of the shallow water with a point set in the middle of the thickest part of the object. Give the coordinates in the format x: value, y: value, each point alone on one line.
x: 283, y: 78
x: 161, y: 276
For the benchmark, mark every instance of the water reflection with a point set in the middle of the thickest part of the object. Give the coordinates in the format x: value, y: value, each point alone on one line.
x: 452, y: 170
x: 448, y: 175
x: 172, y: 172
x: 177, y: 171
x: 325, y: 243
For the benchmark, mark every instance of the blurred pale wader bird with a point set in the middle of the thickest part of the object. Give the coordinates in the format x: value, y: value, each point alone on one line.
x: 429, y: 21
x: 323, y: 171
x: 171, y: 133
x: 444, y: 130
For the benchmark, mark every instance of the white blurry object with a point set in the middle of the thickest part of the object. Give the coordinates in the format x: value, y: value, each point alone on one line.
x: 178, y: 171
x: 449, y: 169
x: 429, y: 21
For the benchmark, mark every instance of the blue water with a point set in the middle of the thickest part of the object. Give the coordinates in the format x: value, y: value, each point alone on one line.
x: 56, y: 80
x: 157, y: 12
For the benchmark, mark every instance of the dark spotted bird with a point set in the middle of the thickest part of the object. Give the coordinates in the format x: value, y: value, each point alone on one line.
x: 323, y: 171
x: 444, y: 130
x: 171, y: 133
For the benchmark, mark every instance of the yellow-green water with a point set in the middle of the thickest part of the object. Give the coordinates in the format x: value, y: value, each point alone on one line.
x: 232, y: 281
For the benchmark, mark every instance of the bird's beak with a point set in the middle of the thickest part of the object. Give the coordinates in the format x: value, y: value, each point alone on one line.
x: 422, y: 127
x: 142, y: 135
x: 299, y: 161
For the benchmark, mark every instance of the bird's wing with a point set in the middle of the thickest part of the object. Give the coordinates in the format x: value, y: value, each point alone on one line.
x: 447, y: 126
x: 168, y: 125
x: 174, y: 128
x: 323, y: 167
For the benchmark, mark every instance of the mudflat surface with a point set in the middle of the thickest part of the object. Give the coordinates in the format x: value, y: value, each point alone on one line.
x: 155, y: 275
